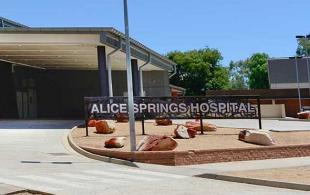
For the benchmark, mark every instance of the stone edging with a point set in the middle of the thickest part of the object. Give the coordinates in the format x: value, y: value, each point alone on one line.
x: 95, y: 156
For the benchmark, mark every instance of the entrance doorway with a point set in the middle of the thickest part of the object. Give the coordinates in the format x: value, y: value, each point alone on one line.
x: 27, y: 100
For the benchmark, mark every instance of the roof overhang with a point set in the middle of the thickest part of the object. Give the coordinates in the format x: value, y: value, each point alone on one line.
x: 73, y: 48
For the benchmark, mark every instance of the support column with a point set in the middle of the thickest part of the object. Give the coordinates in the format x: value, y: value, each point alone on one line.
x: 103, y: 73
x: 141, y: 83
x: 135, y: 77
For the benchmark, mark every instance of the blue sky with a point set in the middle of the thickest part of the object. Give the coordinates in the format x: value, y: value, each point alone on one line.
x: 238, y: 28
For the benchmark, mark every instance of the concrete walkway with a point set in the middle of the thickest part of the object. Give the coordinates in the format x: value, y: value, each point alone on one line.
x: 237, y: 166
x: 287, y: 172
x: 290, y: 177
x: 40, y: 159
x: 6, y: 189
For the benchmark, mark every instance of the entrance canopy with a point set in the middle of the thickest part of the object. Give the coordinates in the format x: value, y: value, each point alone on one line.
x: 74, y: 48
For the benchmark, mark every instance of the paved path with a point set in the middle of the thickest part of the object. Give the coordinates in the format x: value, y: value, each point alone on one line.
x: 292, y: 171
x: 270, y: 124
x: 296, y: 175
x: 252, y: 165
x: 218, y: 168
x: 5, y: 188
x: 40, y: 159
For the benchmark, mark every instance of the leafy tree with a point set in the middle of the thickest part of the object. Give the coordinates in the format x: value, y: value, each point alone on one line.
x: 258, y: 73
x: 220, y: 80
x: 238, y: 75
x: 303, y: 48
x: 199, y: 70
x: 250, y: 73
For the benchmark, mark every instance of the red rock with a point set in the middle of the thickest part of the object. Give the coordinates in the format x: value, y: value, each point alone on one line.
x: 209, y: 127
x: 304, y: 115
x: 196, y: 126
x: 92, y: 123
x: 122, y: 118
x: 241, y: 135
x: 191, y: 123
x: 105, y: 127
x: 157, y: 143
x: 191, y: 132
x: 115, y: 142
x: 163, y: 121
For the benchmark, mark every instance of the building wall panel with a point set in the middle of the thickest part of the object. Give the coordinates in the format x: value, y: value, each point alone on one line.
x: 8, y: 107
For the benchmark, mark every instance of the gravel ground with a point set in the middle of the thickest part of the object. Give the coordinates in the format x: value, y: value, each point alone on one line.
x: 221, y: 139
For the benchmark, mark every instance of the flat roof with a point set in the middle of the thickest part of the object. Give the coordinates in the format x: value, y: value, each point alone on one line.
x: 108, y: 36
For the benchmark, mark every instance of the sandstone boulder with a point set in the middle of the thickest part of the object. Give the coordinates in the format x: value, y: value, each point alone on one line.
x: 208, y: 127
x: 122, y: 118
x: 105, y: 127
x: 304, y: 115
x: 163, y: 121
x: 115, y: 142
x: 184, y: 132
x: 92, y: 123
x: 196, y: 126
x: 191, y: 132
x: 157, y: 143
x: 260, y: 137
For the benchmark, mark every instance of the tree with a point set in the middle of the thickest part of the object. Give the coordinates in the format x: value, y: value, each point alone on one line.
x: 258, y: 73
x: 199, y: 70
x: 250, y: 73
x: 238, y: 75
x: 303, y: 48
x: 220, y: 80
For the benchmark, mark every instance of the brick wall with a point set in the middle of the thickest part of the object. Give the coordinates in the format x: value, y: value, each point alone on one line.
x: 207, y: 156
x: 292, y: 105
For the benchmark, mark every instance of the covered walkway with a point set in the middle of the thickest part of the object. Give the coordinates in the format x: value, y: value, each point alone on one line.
x: 48, y: 71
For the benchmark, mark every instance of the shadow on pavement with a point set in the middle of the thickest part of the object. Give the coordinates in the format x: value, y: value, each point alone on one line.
x: 39, y: 124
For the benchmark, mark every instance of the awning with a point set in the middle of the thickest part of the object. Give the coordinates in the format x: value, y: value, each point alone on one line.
x: 73, y: 48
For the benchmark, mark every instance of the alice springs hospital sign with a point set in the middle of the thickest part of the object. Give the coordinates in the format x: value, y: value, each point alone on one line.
x: 175, y: 107
x: 221, y: 107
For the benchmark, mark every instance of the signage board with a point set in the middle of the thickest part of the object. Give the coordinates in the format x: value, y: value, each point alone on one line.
x: 207, y: 107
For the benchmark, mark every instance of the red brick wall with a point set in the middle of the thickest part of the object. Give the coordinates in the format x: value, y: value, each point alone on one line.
x: 292, y: 106
x: 207, y: 156
x: 213, y: 156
